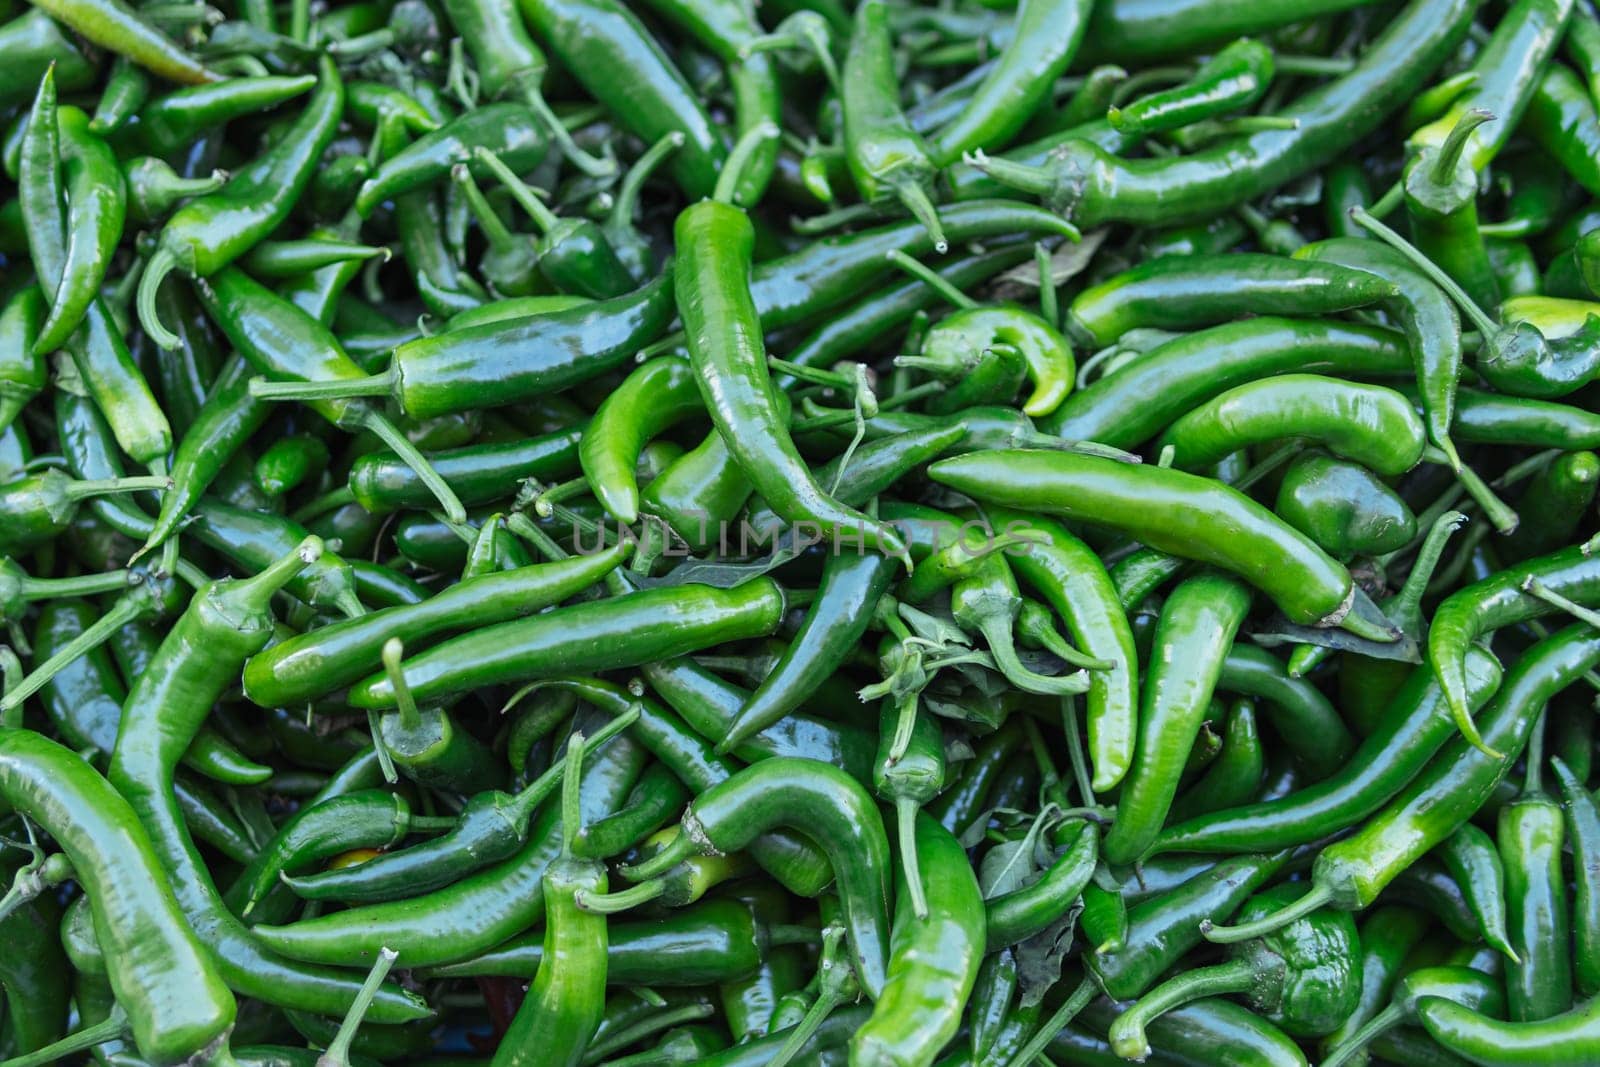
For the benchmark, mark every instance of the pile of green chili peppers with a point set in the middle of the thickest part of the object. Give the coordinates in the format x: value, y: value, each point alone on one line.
x: 847, y: 533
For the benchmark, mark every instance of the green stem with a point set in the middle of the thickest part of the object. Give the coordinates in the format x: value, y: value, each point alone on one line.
x: 1455, y: 142
x: 161, y: 264
x: 626, y: 204
x: 652, y: 1024
x: 385, y: 760
x: 527, y: 801
x: 905, y: 813
x: 495, y: 230
x: 593, y: 166
x: 1380, y: 1023
x: 922, y: 208
x: 1049, y: 306
x: 401, y: 446
x: 82, y: 489
x: 744, y: 150
x: 1406, y: 607
x: 372, y: 385
x: 1499, y: 513
x: 622, y: 899
x: 108, y: 1029
x: 1469, y: 307
x: 79, y: 586
x: 1075, y: 753
x: 338, y: 1051
x: 677, y: 850
x: 97, y: 633
x: 1057, y: 1022
x: 520, y: 190
x: 1127, y: 1035
x: 405, y: 703
x: 1316, y: 897
x: 932, y: 279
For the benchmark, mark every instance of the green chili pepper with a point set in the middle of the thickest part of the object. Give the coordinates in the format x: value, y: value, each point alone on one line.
x: 1303, y: 977
x: 1454, y: 985
x: 1351, y: 873
x: 1344, y: 507
x: 800, y: 794
x: 887, y: 158
x: 159, y: 968
x: 1091, y: 187
x: 1530, y: 835
x: 171, y: 122
x: 933, y: 961
x: 1306, y: 584
x: 1568, y: 1038
x: 1233, y: 79
x: 212, y: 231
x: 22, y: 373
x: 117, y: 27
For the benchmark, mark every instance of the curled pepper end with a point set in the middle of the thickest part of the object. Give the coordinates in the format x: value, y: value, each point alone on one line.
x: 739, y: 159
x: 622, y: 899
x: 916, y: 200
x: 1315, y: 898
x: 1127, y: 1034
x: 905, y: 811
x: 401, y: 445
x: 161, y: 264
x: 1369, y: 1031
x: 1002, y: 646
x: 338, y: 1051
x: 593, y: 166
x: 1037, y: 625
x: 678, y: 849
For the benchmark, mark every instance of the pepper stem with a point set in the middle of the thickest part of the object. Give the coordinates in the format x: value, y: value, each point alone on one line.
x: 1533, y: 772
x: 1347, y: 1049
x: 917, y: 201
x: 905, y: 812
x: 1049, y: 308
x: 1406, y: 606
x: 520, y: 190
x: 81, y: 585
x: 161, y: 264
x: 835, y: 982
x: 1315, y: 897
x: 571, y: 791
x: 744, y: 150
x: 626, y: 204
x: 622, y: 899
x: 109, y: 1029
x: 340, y: 389
x: 125, y: 610
x: 1498, y: 512
x: 650, y: 1025
x: 254, y: 594
x: 401, y: 446
x: 527, y: 801
x: 1076, y: 755
x: 1056, y: 1023
x: 380, y: 747
x: 593, y: 166
x: 83, y: 488
x: 393, y: 652
x: 1024, y: 177
x: 337, y: 1053
x: 1127, y: 1035
x: 495, y: 230
x: 996, y: 627
x: 1469, y: 307
x: 677, y: 850
x: 931, y: 278
x: 1443, y: 171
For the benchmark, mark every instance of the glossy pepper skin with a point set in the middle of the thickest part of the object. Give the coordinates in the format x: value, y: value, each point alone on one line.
x: 715, y: 241
x: 625, y: 630
x: 1172, y: 511
x: 1090, y: 186
x: 801, y: 794
x: 1530, y: 833
x: 222, y: 626
x: 1344, y: 507
x: 1183, y: 292
x: 596, y: 39
x: 160, y: 970
x: 933, y: 962
x: 1564, y: 1040
x: 1371, y: 425
x: 208, y: 233
x: 1304, y: 977
x: 1196, y: 629
x: 1233, y: 79
x: 310, y: 665
x: 1134, y: 403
